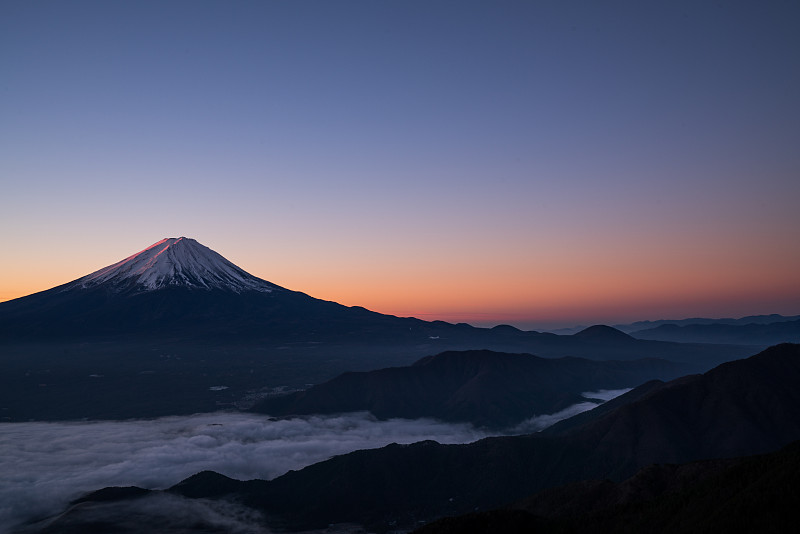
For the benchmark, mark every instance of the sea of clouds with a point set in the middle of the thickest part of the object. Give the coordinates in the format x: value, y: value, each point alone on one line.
x: 45, y: 465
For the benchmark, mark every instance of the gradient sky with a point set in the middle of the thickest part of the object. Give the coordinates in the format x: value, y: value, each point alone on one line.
x: 533, y: 163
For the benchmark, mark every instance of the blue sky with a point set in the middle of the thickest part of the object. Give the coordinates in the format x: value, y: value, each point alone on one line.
x: 523, y: 162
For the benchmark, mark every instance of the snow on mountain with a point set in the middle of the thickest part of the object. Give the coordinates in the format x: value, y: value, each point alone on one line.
x: 175, y: 262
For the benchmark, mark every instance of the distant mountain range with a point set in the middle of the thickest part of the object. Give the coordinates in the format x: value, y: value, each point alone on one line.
x: 741, y: 321
x: 740, y: 408
x: 748, y: 333
x: 177, y: 329
x: 632, y: 328
x: 485, y: 388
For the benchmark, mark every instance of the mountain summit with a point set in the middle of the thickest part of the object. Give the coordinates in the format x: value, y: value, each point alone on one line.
x: 174, y: 261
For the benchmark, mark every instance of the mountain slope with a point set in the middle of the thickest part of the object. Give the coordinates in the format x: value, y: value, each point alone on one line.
x: 747, y: 494
x: 485, y: 388
x: 744, y: 407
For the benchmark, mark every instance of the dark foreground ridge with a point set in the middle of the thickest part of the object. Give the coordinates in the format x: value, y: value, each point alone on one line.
x: 750, y: 494
x: 737, y: 409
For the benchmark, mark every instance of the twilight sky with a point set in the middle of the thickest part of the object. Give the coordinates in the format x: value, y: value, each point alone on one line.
x: 535, y: 163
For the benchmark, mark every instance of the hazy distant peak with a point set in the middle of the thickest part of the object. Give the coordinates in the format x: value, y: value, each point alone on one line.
x: 175, y: 261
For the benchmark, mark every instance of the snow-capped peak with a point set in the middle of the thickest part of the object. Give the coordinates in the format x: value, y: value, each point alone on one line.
x: 177, y: 261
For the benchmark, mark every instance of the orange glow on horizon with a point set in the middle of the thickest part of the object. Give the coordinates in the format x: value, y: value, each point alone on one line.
x: 565, y: 304
x: 619, y: 284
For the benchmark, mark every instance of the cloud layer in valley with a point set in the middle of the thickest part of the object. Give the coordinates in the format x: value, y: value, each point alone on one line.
x: 540, y: 422
x: 45, y: 465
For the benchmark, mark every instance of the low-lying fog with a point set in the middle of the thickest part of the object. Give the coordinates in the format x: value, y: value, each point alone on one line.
x: 45, y: 465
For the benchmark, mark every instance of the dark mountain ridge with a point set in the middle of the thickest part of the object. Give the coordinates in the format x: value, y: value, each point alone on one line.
x: 485, y: 388
x: 746, y: 494
x: 749, y: 319
x: 787, y: 331
x: 629, y: 328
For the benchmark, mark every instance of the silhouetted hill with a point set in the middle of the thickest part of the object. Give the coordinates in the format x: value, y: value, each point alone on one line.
x: 749, y: 494
x: 485, y: 388
x: 603, y: 333
x: 753, y: 333
x: 745, y: 494
x: 738, y: 408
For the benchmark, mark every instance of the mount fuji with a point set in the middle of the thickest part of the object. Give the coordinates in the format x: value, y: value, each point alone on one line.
x: 174, y: 262
x: 178, y: 288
